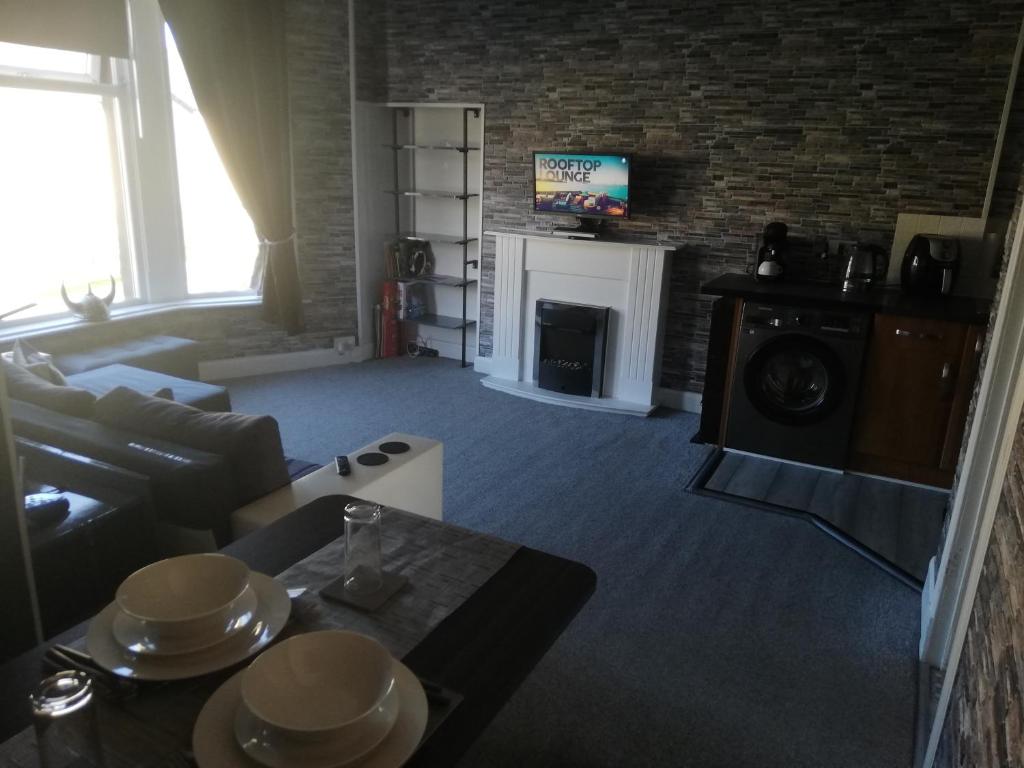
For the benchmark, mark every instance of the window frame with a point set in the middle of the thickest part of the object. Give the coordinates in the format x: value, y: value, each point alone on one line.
x: 150, y: 228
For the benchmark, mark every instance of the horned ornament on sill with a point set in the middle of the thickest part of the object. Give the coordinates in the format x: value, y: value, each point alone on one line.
x: 91, y: 307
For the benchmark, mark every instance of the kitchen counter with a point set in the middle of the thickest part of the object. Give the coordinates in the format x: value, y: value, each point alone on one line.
x: 885, y: 300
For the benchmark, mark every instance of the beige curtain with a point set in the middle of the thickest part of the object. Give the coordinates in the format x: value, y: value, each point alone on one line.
x: 234, y: 54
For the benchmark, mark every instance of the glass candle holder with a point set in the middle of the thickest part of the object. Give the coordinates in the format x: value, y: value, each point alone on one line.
x: 362, y: 548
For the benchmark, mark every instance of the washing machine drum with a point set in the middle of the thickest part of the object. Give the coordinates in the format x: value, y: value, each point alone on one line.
x: 794, y: 379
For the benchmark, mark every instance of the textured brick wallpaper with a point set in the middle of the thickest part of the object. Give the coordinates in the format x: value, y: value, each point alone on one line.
x: 318, y: 78
x: 827, y: 114
x: 985, y: 723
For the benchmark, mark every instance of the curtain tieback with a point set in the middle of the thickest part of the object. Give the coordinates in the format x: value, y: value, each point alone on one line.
x: 271, y: 243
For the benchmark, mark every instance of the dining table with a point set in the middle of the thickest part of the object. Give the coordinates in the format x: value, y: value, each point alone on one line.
x: 483, y: 648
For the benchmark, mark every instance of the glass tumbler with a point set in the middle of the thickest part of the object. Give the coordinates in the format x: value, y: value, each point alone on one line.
x: 362, y: 548
x: 64, y: 717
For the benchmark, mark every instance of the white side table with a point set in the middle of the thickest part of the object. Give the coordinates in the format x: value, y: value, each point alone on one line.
x: 411, y: 481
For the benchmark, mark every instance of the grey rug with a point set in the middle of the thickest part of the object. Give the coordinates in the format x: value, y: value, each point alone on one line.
x: 718, y: 635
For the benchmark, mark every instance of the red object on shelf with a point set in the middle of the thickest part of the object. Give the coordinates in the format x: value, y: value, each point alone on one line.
x: 390, y: 332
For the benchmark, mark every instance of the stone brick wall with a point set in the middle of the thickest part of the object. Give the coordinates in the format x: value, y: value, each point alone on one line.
x: 829, y: 115
x: 985, y: 723
x: 318, y: 79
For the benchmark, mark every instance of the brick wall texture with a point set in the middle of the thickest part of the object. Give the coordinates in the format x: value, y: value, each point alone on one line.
x: 827, y: 114
x: 985, y: 723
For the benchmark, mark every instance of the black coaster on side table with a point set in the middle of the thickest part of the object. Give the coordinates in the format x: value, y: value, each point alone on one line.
x: 365, y: 602
x: 372, y: 459
x: 394, y: 448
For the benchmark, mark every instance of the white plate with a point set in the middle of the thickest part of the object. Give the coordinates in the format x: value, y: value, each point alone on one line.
x: 215, y: 746
x: 138, y: 637
x: 274, y: 748
x: 272, y: 610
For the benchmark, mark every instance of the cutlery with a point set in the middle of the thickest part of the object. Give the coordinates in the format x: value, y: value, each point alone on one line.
x: 72, y: 658
x: 436, y: 694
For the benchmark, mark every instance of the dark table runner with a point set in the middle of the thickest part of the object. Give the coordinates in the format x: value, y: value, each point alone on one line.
x: 483, y: 649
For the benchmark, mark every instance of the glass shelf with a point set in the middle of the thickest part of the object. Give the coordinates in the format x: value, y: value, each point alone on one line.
x: 436, y: 238
x: 455, y: 282
x: 442, y: 321
x: 447, y: 147
x: 432, y: 193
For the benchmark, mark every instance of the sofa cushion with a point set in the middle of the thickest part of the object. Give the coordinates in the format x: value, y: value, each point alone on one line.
x: 22, y: 384
x: 190, y: 487
x: 208, y: 397
x: 250, y: 444
x: 164, y: 354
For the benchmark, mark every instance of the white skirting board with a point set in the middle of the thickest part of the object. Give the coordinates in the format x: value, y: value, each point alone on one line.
x: 257, y: 365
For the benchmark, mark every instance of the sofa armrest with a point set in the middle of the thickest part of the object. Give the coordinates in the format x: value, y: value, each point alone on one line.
x: 190, y: 488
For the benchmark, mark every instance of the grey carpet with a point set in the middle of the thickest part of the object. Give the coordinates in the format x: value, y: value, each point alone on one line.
x: 718, y: 636
x: 900, y: 522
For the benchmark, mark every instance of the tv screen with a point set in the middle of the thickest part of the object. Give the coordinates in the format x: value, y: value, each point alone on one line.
x: 581, y: 184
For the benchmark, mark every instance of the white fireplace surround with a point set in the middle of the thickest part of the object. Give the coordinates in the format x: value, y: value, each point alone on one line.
x: 631, y: 278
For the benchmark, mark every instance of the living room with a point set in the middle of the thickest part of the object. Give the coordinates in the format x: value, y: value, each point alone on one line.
x: 264, y: 217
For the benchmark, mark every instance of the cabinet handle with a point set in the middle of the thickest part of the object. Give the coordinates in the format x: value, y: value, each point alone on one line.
x: 948, y: 383
x: 901, y: 332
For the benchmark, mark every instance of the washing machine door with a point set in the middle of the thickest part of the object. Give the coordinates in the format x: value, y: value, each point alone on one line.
x: 794, y: 379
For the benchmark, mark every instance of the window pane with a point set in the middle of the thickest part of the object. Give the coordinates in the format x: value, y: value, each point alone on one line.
x: 220, y: 241
x: 28, y: 58
x: 58, y: 199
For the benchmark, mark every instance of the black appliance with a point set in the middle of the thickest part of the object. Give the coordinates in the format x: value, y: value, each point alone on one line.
x: 795, y: 388
x: 930, y: 265
x: 866, y: 265
x: 770, y: 264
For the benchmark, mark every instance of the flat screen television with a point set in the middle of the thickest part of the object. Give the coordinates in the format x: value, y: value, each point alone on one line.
x: 588, y: 185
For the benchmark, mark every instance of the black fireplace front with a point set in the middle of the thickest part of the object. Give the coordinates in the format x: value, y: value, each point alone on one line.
x: 569, y: 344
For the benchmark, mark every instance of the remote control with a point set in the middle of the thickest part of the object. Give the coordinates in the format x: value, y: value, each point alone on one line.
x: 342, y: 465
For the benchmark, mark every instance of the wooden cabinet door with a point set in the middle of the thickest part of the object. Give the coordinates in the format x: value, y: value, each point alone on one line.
x: 908, y: 390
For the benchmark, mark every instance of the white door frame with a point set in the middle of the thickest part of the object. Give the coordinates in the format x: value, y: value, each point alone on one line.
x: 949, y: 598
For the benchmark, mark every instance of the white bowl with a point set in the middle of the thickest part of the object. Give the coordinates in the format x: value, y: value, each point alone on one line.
x: 316, y: 685
x: 190, y: 596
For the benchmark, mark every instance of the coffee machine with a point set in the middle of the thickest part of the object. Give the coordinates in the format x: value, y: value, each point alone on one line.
x: 930, y: 265
x: 769, y: 255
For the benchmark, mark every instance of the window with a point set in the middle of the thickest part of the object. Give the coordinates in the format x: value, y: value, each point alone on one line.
x: 60, y: 193
x: 220, y: 242
x: 107, y: 169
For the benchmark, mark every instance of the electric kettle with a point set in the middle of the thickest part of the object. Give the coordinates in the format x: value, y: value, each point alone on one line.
x: 867, y: 265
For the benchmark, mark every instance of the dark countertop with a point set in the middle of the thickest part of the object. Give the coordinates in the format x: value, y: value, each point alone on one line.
x: 886, y: 300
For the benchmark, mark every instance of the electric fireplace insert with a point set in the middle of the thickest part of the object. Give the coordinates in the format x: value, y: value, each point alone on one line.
x: 569, y: 344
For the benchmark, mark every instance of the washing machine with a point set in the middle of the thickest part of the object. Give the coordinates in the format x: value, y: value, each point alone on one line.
x: 794, y: 391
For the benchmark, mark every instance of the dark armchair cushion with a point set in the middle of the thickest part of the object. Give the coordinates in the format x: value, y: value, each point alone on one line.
x: 250, y: 444
x: 22, y: 384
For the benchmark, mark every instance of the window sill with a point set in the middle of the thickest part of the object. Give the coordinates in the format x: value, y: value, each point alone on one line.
x: 11, y: 330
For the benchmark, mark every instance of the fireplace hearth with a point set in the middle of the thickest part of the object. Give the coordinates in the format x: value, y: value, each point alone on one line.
x: 570, y: 343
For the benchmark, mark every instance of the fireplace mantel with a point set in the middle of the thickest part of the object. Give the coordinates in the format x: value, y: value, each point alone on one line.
x: 629, y: 277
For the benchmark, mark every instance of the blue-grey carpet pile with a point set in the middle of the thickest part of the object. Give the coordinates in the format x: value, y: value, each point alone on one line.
x: 719, y: 635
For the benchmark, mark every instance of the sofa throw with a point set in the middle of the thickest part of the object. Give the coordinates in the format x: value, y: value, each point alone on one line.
x: 32, y: 359
x: 251, y: 445
x: 23, y: 384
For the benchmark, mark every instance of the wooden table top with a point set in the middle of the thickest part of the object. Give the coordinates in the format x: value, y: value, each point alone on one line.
x: 483, y: 650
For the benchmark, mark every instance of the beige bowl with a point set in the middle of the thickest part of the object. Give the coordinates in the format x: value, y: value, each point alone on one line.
x: 189, y: 596
x: 320, y: 685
